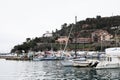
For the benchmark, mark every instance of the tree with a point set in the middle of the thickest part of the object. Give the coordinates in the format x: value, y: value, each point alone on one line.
x: 28, y: 39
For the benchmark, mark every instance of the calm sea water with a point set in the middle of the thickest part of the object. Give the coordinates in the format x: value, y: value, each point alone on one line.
x: 52, y: 70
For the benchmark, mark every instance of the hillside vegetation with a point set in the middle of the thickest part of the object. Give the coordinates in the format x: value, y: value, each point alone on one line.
x: 82, y: 28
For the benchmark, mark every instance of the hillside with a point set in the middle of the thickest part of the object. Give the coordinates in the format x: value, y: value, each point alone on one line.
x: 82, y: 28
x: 91, y: 24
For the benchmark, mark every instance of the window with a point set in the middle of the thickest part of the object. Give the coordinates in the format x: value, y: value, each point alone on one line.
x: 110, y: 59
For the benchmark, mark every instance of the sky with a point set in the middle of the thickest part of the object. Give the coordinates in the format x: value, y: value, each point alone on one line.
x: 21, y: 19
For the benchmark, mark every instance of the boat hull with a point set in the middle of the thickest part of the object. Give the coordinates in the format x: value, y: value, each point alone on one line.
x: 108, y: 65
x: 69, y: 63
x: 48, y: 59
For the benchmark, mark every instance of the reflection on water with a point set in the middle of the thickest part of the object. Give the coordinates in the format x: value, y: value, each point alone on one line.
x: 52, y: 70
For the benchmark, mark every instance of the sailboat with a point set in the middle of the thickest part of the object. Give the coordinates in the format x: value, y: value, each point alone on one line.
x: 77, y: 62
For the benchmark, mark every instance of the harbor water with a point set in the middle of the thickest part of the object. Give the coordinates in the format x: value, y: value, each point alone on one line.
x: 52, y: 70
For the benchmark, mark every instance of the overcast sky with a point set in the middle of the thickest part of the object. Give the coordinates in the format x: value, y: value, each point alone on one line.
x: 21, y: 19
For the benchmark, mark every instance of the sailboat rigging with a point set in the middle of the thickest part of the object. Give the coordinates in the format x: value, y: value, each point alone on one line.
x: 69, y: 38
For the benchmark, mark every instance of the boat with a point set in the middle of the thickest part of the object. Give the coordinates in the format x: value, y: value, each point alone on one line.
x: 111, y: 59
x: 70, y: 62
x: 80, y: 62
x: 47, y: 56
x: 85, y: 63
x: 38, y: 58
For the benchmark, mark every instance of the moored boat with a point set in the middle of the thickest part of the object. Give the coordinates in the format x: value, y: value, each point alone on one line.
x: 111, y: 59
x: 47, y: 56
x: 80, y: 62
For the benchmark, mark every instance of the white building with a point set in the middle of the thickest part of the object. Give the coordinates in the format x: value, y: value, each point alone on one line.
x: 47, y: 34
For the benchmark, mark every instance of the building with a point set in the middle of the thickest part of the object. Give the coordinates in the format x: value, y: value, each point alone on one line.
x: 100, y: 35
x: 62, y: 39
x: 82, y: 40
x: 47, y: 34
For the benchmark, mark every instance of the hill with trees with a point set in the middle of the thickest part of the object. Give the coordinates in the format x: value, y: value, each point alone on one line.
x: 82, y: 28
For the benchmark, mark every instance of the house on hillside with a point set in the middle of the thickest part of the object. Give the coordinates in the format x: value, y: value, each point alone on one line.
x: 85, y: 26
x: 100, y: 35
x: 82, y: 40
x: 47, y: 34
x: 62, y: 39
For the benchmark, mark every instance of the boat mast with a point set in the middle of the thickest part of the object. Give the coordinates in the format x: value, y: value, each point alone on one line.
x: 68, y: 38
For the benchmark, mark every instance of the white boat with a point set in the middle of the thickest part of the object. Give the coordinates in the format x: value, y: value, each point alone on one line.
x: 111, y: 59
x: 80, y: 62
